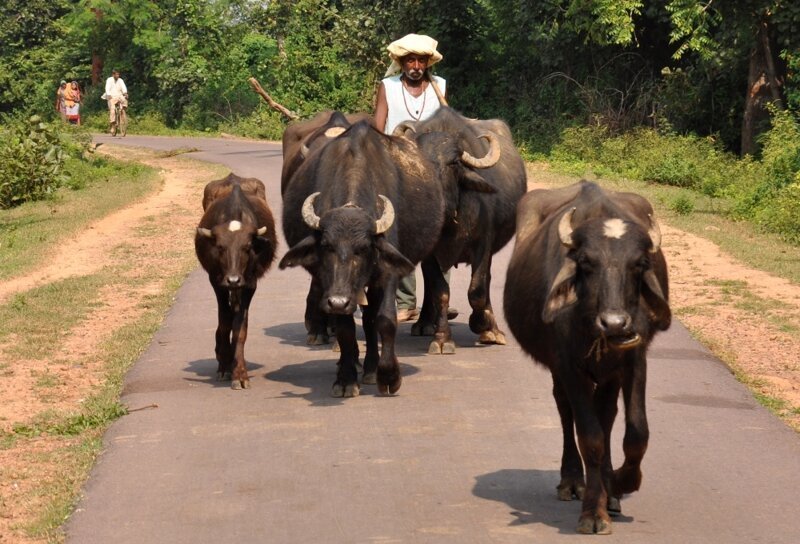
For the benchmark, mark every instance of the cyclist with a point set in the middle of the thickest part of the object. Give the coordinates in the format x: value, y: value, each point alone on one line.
x: 116, y: 93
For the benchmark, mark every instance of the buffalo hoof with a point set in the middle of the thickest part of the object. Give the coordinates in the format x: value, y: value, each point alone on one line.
x: 223, y: 376
x: 589, y: 524
x: 627, y: 479
x: 370, y: 378
x: 492, y: 337
x: 317, y: 339
x: 347, y: 390
x: 442, y: 348
x: 241, y: 384
x: 614, y: 506
x: 390, y: 389
x: 570, y: 489
x: 422, y: 329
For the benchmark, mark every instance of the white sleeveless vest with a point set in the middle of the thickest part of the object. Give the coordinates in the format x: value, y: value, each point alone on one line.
x: 404, y: 107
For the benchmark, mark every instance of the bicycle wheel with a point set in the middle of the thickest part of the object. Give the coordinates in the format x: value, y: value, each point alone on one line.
x: 123, y: 122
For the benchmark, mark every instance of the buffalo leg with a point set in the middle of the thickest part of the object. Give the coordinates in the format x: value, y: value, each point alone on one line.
x: 628, y: 477
x: 572, y: 483
x: 437, y: 300
x: 591, y: 442
x: 316, y: 320
x: 482, y: 320
x: 346, y: 384
x: 389, y: 379
x: 222, y: 347
x: 240, y: 379
x: 605, y: 405
x: 370, y: 313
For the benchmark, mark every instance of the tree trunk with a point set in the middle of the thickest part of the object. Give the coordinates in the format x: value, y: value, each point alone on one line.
x: 97, y: 59
x: 764, y: 85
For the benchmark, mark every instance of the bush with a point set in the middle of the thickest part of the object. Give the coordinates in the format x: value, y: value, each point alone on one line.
x: 682, y: 205
x: 31, y: 161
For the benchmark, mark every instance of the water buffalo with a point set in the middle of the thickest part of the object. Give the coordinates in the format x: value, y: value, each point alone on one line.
x: 302, y: 138
x: 359, y: 214
x: 235, y: 243
x: 586, y: 291
x: 477, y: 224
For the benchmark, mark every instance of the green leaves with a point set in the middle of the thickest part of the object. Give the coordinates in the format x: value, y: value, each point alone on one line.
x: 31, y: 161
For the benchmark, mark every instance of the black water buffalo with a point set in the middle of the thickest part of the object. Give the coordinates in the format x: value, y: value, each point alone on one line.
x: 302, y: 138
x: 477, y: 224
x: 235, y: 243
x: 586, y: 291
x: 359, y: 214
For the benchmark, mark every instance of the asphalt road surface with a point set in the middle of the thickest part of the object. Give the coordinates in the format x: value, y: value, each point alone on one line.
x: 468, y: 452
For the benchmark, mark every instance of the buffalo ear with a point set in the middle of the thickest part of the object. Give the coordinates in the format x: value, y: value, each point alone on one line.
x: 656, y: 300
x: 473, y: 181
x: 562, y: 293
x: 390, y: 260
x: 304, y: 253
x: 262, y: 244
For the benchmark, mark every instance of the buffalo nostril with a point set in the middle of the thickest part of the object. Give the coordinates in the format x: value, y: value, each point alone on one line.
x: 234, y: 280
x: 614, y: 323
x: 338, y: 302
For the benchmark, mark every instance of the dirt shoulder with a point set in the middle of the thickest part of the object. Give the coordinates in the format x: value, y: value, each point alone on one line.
x: 143, y: 248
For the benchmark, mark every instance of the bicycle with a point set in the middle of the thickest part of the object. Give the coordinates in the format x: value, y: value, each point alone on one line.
x: 120, y: 120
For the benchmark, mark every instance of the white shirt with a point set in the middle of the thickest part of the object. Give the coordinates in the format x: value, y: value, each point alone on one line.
x: 404, y: 107
x: 115, y: 89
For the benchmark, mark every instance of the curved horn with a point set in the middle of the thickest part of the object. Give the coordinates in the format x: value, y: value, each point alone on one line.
x: 655, y: 234
x: 565, y: 228
x: 403, y: 129
x: 387, y: 217
x: 205, y: 232
x: 262, y: 231
x: 490, y: 159
x: 309, y: 215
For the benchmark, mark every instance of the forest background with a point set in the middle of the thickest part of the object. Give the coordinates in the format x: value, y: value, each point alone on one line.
x: 697, y: 94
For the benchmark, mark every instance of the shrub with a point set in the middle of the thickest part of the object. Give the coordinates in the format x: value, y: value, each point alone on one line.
x: 682, y: 205
x: 31, y: 161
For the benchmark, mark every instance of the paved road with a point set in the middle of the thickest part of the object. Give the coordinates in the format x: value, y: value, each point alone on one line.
x: 468, y: 452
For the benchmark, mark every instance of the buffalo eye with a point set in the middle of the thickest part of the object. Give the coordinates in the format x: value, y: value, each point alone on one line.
x: 641, y: 265
x: 586, y: 265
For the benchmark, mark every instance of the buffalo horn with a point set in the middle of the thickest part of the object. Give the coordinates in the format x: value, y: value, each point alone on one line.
x: 387, y: 217
x: 490, y: 159
x: 262, y: 231
x: 403, y: 129
x: 204, y: 232
x: 655, y: 234
x: 565, y: 228
x: 309, y: 216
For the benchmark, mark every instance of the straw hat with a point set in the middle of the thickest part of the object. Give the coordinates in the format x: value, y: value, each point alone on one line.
x: 412, y: 43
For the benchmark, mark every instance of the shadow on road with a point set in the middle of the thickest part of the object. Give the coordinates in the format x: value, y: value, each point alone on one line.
x: 317, y: 376
x: 206, y: 372
x: 531, y: 495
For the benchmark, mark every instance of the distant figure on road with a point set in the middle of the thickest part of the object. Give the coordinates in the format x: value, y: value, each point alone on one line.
x: 60, y: 106
x: 72, y: 103
x: 116, y: 93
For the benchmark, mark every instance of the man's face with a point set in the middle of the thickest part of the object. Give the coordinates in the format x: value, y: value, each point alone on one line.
x: 116, y: 75
x: 414, y: 66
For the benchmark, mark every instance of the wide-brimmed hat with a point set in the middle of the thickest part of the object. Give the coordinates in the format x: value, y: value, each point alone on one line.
x: 412, y: 43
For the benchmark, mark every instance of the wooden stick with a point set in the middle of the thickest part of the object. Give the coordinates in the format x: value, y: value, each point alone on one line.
x: 436, y: 89
x: 268, y: 99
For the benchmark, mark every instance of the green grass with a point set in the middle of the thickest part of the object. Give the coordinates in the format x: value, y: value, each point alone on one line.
x: 29, y: 234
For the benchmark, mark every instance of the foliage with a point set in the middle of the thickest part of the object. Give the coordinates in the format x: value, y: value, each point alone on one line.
x: 31, y: 161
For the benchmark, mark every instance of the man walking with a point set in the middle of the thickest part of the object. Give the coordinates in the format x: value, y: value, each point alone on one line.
x: 412, y: 95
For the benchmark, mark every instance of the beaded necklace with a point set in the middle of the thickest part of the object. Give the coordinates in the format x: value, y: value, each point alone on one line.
x: 405, y: 103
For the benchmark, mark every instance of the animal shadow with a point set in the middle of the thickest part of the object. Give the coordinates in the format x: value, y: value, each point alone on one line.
x: 531, y: 495
x: 206, y: 372
x: 317, y: 377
